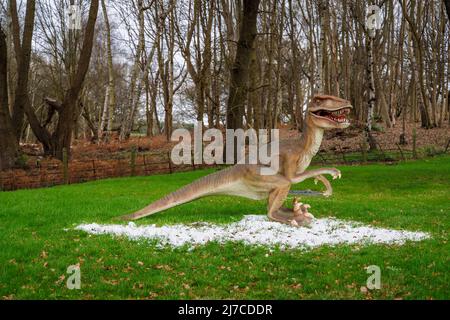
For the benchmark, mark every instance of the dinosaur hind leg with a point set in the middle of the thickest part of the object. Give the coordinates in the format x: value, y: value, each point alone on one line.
x: 275, y: 203
x: 299, y: 216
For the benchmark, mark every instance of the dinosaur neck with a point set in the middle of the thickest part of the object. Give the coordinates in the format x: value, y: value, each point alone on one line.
x: 310, y: 142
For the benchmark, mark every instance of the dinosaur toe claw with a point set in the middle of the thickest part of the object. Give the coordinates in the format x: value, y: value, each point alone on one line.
x: 294, y: 223
x: 326, y: 194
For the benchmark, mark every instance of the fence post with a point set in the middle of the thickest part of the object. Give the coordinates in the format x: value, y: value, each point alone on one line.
x: 118, y: 170
x: 65, y: 166
x: 321, y: 157
x: 170, y: 162
x: 414, y: 137
x: 401, y: 152
x: 145, y: 164
x: 93, y: 169
x: 446, y: 147
x: 13, y: 186
x: 343, y: 155
x: 133, y: 161
x: 382, y: 152
x: 193, y: 160
x: 364, y: 150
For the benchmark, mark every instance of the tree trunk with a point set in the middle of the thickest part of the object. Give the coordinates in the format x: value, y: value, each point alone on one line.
x: 371, y: 98
x: 370, y: 36
x: 133, y: 96
x: 417, y: 56
x: 102, y: 130
x: 381, y: 99
x: 319, y: 78
x: 23, y: 57
x: 9, y: 146
x: 447, y: 8
x: 240, y: 69
x: 111, y: 90
x: 70, y: 108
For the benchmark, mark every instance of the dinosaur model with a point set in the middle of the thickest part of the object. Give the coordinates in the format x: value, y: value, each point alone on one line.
x: 245, y: 180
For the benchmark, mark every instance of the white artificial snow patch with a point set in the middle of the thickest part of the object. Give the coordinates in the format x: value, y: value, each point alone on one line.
x: 258, y: 230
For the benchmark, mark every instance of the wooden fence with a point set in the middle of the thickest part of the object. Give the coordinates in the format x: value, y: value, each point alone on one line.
x: 53, y: 172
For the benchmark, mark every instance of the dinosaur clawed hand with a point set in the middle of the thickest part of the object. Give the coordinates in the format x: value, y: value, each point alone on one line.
x: 336, y: 173
x: 329, y: 189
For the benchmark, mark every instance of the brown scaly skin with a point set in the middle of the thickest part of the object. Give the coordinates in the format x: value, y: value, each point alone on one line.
x: 324, y: 112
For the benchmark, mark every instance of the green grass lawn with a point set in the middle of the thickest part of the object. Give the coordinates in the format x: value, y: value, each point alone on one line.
x: 38, y: 243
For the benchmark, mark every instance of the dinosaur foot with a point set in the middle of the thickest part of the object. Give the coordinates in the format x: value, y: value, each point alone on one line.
x: 297, y: 217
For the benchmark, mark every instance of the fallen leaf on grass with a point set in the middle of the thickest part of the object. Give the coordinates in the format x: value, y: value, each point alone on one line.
x: 163, y: 267
x: 111, y: 282
x: 60, y: 279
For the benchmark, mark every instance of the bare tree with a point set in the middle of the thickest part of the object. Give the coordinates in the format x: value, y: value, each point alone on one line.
x: 240, y: 68
x: 417, y: 60
x: 9, y: 146
x: 69, y: 109
x: 135, y: 84
x: 370, y: 36
x: 23, y: 57
x: 199, y: 30
x: 110, y: 95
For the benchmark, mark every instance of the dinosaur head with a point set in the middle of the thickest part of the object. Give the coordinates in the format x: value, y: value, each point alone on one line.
x: 329, y: 112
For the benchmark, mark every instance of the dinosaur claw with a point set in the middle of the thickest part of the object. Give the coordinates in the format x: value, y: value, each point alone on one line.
x: 309, y: 215
x: 296, y: 217
x: 336, y: 174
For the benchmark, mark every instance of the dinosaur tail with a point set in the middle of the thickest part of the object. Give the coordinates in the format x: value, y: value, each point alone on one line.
x: 199, y: 188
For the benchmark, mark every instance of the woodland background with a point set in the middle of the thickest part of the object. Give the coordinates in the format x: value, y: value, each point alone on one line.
x: 145, y: 67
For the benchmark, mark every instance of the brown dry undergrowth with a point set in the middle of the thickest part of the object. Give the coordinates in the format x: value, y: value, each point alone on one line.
x: 97, y: 161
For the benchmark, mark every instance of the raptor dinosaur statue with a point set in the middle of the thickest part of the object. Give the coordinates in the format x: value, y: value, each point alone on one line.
x: 245, y: 180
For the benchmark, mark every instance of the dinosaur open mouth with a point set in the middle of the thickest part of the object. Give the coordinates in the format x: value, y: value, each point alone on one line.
x: 338, y: 116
